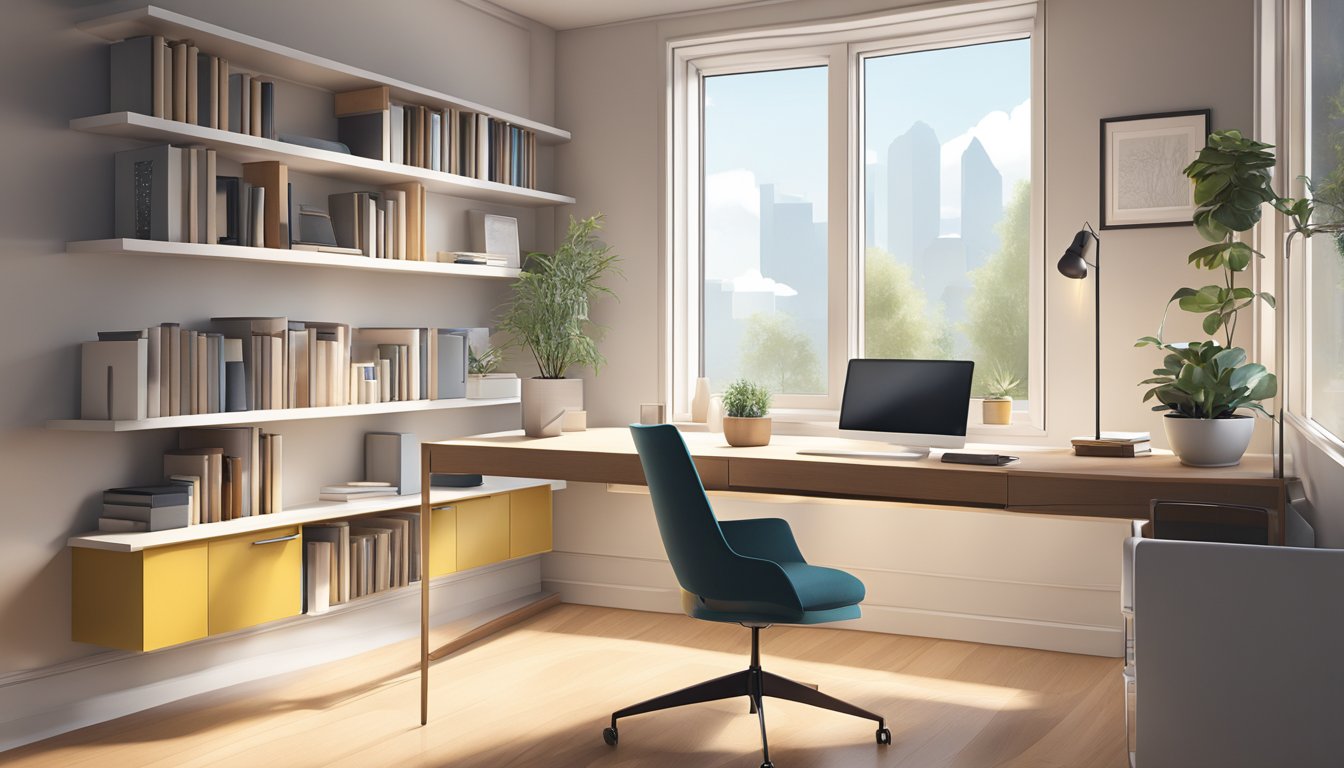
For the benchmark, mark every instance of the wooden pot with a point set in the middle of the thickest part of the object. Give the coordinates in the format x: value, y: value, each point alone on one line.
x: 746, y: 432
x: 997, y: 410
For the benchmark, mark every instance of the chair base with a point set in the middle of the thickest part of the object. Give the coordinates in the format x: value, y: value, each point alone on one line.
x: 754, y: 683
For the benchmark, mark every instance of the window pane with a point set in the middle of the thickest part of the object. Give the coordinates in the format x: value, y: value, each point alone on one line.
x: 947, y: 208
x: 1326, y: 339
x: 764, y: 307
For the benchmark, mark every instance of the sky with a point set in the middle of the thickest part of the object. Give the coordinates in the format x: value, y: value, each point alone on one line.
x: 770, y: 127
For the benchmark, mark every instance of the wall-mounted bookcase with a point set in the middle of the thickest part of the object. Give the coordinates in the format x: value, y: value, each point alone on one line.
x: 302, y: 514
x: 288, y: 63
x: 115, y: 246
x: 273, y: 414
x: 320, y: 162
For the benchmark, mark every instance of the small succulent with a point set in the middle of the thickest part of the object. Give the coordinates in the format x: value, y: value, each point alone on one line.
x: 1000, y: 384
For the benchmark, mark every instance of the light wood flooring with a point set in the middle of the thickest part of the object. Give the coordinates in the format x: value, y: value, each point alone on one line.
x: 540, y: 693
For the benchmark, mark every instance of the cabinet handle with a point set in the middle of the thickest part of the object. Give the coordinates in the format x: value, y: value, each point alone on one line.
x: 277, y: 539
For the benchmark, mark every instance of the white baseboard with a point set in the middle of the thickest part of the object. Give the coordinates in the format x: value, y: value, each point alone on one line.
x: 38, y: 704
x: 646, y: 585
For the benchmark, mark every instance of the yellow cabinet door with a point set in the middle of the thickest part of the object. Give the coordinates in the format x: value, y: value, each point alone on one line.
x: 139, y: 601
x: 530, y: 521
x: 482, y: 531
x: 442, y: 541
x: 255, y: 578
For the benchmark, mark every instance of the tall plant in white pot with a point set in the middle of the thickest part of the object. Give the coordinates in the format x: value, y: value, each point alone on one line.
x: 548, y: 315
x: 1203, y: 384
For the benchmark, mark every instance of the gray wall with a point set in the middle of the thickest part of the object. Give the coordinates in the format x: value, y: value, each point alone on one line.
x: 59, y: 188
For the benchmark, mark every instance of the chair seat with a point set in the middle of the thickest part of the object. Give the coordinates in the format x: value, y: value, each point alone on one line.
x: 822, y: 589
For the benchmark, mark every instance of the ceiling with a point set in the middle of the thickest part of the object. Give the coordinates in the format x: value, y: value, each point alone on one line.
x: 571, y: 14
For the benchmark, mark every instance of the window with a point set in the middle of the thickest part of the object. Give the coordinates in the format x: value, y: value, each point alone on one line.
x: 856, y: 189
x: 947, y: 208
x: 1324, y: 279
x: 763, y: 304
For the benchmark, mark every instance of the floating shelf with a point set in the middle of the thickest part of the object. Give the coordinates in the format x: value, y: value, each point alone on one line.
x: 274, y: 414
x: 251, y: 54
x: 286, y: 256
x: 313, y: 512
x: 321, y: 162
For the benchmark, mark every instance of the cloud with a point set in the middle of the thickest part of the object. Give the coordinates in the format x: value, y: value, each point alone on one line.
x: 1006, y: 138
x: 732, y: 224
x: 752, y: 281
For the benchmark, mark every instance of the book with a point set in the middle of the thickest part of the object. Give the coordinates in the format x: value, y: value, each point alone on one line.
x: 399, y: 555
x: 158, y: 518
x: 316, y: 248
x: 179, y: 53
x: 1117, y: 450
x: 377, y: 569
x: 147, y: 496
x: 451, y: 363
x: 254, y: 107
x: 136, y: 75
x: 148, y: 204
x: 193, y: 485
x: 336, y: 533
x: 1113, y: 438
x: 240, y: 85
x: 206, y: 463
x: 272, y: 177
x: 393, y: 458
x: 119, y: 525
x: 193, y: 83
x: 317, y: 576
x: 113, y: 379
x: 267, y: 109
x: 242, y: 443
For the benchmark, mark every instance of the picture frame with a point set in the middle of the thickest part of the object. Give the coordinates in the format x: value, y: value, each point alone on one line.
x: 1142, y: 159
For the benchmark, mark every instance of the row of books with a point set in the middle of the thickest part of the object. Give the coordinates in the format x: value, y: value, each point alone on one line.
x: 175, y: 80
x: 381, y: 224
x: 215, y: 474
x: 260, y: 363
x: 443, y: 139
x: 175, y: 194
x: 348, y: 559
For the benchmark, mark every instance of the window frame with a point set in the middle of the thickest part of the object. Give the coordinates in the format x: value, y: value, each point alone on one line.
x: 843, y: 44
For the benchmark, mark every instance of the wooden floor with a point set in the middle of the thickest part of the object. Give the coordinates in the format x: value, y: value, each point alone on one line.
x: 540, y: 693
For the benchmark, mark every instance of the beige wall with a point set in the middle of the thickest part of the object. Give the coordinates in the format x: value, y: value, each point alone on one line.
x: 59, y: 188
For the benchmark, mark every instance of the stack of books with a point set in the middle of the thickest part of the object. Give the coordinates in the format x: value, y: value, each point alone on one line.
x: 1117, y: 445
x: 145, y: 508
x: 358, y: 489
x: 346, y: 559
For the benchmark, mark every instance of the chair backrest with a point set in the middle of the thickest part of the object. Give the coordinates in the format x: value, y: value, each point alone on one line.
x: 696, y: 547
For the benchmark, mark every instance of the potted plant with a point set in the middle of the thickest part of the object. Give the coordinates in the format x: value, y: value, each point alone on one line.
x: 997, y: 404
x: 549, y: 316
x: 1203, y: 384
x: 745, y: 406
x: 484, y: 382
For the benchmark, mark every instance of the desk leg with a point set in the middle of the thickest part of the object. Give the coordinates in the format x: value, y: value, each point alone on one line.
x: 425, y: 519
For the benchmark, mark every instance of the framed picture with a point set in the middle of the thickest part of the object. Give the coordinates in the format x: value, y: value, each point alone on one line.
x: 1141, y: 161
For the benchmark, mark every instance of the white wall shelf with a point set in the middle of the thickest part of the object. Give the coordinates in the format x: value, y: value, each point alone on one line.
x: 321, y: 162
x: 313, y: 512
x: 274, y: 414
x: 286, y: 256
x: 247, y: 53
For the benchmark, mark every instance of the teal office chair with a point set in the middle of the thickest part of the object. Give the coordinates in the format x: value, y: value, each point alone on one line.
x: 748, y: 572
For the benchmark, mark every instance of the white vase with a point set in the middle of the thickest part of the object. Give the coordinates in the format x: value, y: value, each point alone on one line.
x: 1209, y: 442
x: 700, y: 402
x: 491, y: 386
x: 715, y: 416
x: 545, y: 402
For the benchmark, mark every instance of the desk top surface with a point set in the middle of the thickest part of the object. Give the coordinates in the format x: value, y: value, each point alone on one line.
x: 1034, y: 460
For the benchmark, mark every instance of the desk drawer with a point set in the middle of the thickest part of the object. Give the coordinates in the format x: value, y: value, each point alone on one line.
x: 139, y: 601
x: 1106, y: 497
x: 482, y: 531
x: 883, y: 482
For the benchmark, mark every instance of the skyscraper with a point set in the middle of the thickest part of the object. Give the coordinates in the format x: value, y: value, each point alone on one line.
x: 913, y: 189
x: 981, y: 204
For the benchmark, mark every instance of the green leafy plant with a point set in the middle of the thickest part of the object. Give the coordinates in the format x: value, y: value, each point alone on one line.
x: 1201, y: 380
x: 1000, y: 383
x: 486, y: 362
x: 745, y: 400
x: 549, y: 311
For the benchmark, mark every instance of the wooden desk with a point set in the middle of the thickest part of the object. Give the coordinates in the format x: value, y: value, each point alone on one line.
x: 1046, y: 480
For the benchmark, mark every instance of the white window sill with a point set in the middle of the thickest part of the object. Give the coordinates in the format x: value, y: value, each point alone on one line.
x: 819, y: 423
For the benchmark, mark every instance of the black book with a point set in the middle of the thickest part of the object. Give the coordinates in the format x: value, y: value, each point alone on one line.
x: 226, y: 200
x: 267, y: 109
x: 146, y: 496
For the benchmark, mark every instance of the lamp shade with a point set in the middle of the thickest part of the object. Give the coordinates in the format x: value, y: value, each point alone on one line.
x: 1072, y: 264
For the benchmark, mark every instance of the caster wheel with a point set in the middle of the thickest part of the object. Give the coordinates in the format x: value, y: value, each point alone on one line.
x: 610, y: 736
x: 883, y: 736
x: 767, y: 764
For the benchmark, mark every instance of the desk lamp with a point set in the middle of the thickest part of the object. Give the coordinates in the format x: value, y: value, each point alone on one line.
x: 1073, y: 265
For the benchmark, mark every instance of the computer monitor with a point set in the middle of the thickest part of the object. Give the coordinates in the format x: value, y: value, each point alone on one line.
x: 916, y: 404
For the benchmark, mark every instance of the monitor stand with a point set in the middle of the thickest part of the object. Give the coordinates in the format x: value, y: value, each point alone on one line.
x: 899, y: 453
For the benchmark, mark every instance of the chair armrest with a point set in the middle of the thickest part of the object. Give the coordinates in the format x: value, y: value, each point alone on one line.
x: 765, y: 538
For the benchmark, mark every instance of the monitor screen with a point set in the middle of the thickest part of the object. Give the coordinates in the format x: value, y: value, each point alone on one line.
x: 912, y: 397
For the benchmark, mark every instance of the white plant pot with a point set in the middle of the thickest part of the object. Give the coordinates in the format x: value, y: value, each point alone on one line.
x: 545, y: 402
x: 1209, y: 442
x: 491, y: 386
